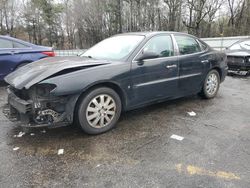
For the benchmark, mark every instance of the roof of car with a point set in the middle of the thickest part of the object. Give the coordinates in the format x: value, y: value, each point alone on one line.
x: 151, y: 33
x: 16, y: 40
x: 25, y: 43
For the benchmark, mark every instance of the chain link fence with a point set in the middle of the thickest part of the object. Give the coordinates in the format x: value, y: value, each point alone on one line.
x: 69, y: 52
x: 219, y: 43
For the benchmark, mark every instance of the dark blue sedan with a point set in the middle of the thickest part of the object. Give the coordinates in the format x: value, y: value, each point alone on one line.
x: 15, y: 53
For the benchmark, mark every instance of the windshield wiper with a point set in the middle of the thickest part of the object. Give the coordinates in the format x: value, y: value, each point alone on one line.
x: 90, y: 57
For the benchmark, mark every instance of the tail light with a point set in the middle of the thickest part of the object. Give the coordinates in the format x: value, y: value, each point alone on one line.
x: 49, y: 54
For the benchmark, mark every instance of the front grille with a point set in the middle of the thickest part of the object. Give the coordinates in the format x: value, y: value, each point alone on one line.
x: 236, y: 60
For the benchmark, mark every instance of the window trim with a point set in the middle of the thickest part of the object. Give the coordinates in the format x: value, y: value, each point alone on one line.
x: 159, y: 58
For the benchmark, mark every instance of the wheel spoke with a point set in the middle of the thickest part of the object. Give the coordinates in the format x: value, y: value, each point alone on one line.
x: 102, y: 122
x: 107, y: 102
x: 102, y: 100
x: 91, y: 109
x: 107, y: 119
x: 92, y: 116
x: 110, y: 112
x: 95, y: 102
x: 94, y: 123
x: 112, y: 105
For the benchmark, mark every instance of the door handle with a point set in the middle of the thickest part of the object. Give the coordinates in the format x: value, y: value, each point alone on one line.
x: 171, y: 66
x: 205, y: 61
x: 13, y: 52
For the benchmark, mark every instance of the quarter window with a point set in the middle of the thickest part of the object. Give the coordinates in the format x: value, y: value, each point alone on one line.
x: 187, y: 45
x: 203, y: 46
x: 19, y: 45
x: 160, y: 45
x: 5, y: 44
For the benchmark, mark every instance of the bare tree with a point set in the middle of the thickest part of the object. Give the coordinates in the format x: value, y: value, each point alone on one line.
x: 173, y: 12
x: 67, y: 24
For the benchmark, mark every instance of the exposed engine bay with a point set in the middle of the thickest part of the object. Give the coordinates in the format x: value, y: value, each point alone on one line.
x: 36, y: 107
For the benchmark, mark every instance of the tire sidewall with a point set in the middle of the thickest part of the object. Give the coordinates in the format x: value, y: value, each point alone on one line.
x: 205, y: 93
x: 84, y: 102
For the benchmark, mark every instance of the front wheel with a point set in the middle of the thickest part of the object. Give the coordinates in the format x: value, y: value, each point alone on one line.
x: 99, y: 111
x: 211, y: 85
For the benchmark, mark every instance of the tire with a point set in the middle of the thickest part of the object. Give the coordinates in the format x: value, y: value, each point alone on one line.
x: 211, y: 85
x: 99, y: 110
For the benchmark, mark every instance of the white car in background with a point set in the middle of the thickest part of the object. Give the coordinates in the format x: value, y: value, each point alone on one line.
x: 238, y: 56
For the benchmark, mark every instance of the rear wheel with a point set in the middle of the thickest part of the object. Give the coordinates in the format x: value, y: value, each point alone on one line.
x: 99, y: 110
x: 211, y: 85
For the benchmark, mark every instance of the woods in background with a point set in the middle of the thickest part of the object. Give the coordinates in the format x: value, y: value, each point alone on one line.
x: 70, y: 24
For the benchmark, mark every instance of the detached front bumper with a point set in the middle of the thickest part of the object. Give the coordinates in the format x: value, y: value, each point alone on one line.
x: 28, y: 114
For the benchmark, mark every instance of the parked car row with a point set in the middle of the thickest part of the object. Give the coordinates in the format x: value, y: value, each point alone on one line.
x: 130, y: 70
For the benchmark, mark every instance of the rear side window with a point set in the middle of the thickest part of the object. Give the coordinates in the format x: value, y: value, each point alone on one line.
x: 161, y: 45
x: 187, y: 45
x: 19, y: 45
x: 5, y: 44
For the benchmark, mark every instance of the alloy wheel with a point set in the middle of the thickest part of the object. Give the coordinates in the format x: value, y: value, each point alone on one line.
x: 101, y: 111
x: 212, y: 84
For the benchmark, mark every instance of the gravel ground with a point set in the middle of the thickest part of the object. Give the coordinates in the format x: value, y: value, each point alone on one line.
x: 139, y: 152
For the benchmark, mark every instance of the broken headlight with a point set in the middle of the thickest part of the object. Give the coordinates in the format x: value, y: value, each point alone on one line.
x: 44, y: 90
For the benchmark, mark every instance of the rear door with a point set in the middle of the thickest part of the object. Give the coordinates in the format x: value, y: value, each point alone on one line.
x: 192, y: 62
x: 155, y: 78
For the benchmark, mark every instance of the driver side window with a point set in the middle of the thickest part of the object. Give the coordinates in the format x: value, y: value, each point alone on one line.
x: 160, y: 45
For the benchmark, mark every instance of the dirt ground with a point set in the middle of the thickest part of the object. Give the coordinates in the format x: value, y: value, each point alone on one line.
x: 139, y: 152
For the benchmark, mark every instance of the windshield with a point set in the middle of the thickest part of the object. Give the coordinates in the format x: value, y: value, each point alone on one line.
x: 114, y: 48
x: 242, y: 45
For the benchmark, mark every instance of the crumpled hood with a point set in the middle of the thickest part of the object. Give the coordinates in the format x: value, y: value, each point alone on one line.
x: 35, y: 72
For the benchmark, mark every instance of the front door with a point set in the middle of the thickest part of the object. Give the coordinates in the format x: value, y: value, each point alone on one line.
x: 155, y: 78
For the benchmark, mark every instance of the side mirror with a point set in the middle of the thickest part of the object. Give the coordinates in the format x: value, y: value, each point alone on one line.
x: 146, y: 55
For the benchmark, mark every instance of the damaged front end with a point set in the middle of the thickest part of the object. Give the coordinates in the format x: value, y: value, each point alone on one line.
x: 37, y: 107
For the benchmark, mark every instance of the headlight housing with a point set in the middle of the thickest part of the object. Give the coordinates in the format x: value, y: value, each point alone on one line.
x: 44, y: 90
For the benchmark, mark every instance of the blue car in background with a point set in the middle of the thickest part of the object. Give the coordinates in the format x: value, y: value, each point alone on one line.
x: 15, y: 53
